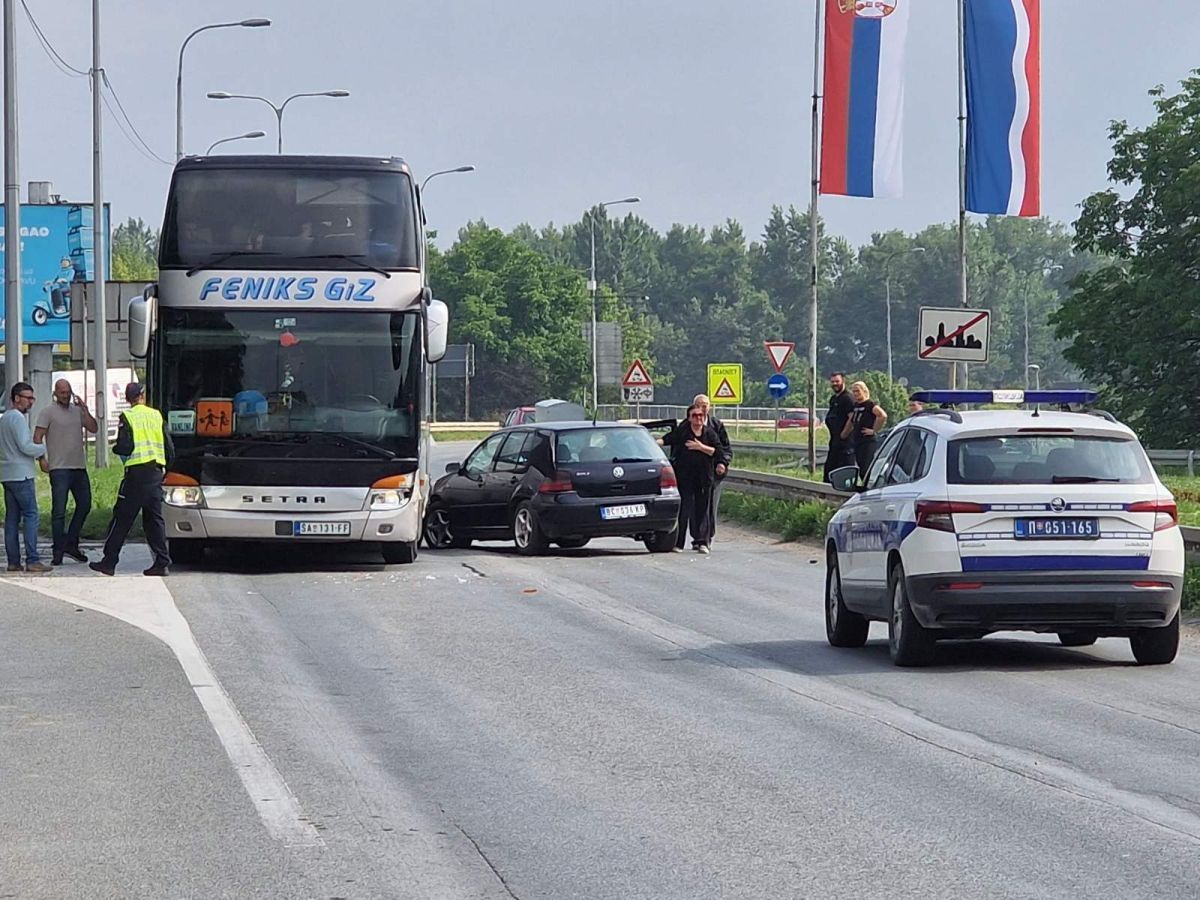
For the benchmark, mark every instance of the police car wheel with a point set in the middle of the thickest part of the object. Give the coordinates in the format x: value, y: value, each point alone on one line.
x: 1076, y: 638
x: 1156, y: 646
x: 909, y: 643
x: 843, y: 628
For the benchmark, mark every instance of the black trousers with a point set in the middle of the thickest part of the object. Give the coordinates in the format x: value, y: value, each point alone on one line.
x: 864, y: 455
x: 141, y: 491
x: 695, y: 501
x: 837, y: 456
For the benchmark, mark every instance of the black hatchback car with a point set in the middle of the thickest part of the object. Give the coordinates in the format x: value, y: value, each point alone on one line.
x: 557, y: 482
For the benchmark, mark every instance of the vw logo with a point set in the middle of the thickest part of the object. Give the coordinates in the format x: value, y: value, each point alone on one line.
x: 618, y: 472
x: 1058, y: 504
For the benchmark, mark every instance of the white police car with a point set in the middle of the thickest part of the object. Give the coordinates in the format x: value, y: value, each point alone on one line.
x: 999, y: 520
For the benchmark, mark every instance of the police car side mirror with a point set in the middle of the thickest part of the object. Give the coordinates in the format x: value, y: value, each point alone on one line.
x: 845, y: 479
x: 437, y: 328
x: 142, y: 312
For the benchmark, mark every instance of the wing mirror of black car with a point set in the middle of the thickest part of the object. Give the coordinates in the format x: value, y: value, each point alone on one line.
x: 845, y: 479
x: 453, y: 468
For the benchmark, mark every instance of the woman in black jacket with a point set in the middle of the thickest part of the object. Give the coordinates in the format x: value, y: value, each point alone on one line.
x: 696, y: 453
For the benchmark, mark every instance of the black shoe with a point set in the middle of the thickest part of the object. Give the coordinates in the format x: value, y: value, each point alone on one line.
x: 102, y: 568
x: 56, y: 561
x: 160, y: 571
x: 76, y: 554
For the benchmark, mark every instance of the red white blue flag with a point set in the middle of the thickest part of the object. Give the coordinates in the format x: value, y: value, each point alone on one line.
x: 1004, y: 80
x: 863, y: 106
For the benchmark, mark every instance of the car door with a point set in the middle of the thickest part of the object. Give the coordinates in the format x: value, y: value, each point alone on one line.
x: 865, y: 526
x: 465, y: 493
x: 512, y: 462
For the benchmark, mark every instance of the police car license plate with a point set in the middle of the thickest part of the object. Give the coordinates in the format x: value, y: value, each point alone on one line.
x: 631, y: 511
x: 321, y: 529
x: 1068, y: 529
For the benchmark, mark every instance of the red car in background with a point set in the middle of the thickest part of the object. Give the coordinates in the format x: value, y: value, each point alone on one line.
x: 793, y: 418
x: 522, y: 415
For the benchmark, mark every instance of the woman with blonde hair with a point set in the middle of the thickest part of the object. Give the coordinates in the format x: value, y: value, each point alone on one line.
x: 864, y: 424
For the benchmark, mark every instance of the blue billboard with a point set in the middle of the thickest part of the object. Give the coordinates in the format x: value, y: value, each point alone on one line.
x: 56, y: 249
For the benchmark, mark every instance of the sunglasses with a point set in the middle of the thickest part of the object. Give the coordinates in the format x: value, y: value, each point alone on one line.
x: 697, y: 415
x: 25, y: 396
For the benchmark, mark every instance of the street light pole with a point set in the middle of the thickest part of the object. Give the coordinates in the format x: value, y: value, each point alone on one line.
x: 455, y: 171
x: 592, y: 290
x: 237, y: 137
x: 245, y: 23
x: 278, y: 110
x: 1037, y: 374
x: 887, y: 286
x: 1025, y: 303
x: 13, y: 369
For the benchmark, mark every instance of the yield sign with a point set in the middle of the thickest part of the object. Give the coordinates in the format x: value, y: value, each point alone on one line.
x: 779, y: 351
x: 637, y: 376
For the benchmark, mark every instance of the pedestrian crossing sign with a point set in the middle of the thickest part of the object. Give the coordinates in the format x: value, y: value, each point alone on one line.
x: 725, y: 383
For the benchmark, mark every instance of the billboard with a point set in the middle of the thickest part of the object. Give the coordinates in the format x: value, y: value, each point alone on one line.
x: 56, y: 249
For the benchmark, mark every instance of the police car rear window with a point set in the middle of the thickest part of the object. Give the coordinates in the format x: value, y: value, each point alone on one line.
x: 1046, y: 459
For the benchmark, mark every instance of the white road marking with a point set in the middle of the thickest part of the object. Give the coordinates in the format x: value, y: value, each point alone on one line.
x: 146, y: 603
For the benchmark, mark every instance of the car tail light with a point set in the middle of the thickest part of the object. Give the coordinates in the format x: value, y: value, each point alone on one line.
x: 1153, y: 585
x: 667, y: 480
x: 1166, y: 513
x: 560, y: 484
x: 939, y: 514
x: 962, y: 586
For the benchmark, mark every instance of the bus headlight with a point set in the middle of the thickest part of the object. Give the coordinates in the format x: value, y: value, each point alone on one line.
x: 391, y: 492
x: 387, y: 499
x: 183, y: 496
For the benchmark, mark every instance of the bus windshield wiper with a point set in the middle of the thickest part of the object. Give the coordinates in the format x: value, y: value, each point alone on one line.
x: 340, y: 439
x: 201, y: 449
x: 224, y: 257
x: 1083, y: 479
x: 356, y: 258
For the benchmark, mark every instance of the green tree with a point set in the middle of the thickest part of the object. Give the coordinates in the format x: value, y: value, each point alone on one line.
x: 134, y: 252
x: 1132, y: 321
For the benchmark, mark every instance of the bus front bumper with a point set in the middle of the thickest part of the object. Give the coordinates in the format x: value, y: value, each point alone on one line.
x: 387, y: 525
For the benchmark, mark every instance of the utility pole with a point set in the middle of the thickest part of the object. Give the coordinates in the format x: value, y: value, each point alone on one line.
x: 13, y: 369
x: 99, y: 242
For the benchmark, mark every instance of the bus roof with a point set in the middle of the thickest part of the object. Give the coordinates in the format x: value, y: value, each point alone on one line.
x: 275, y: 161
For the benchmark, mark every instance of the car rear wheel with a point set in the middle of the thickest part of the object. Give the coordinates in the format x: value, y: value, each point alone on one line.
x: 843, y: 627
x: 660, y: 541
x: 909, y: 643
x: 1156, y: 646
x: 527, y: 533
x: 573, y: 543
x: 1076, y: 638
x: 438, y: 532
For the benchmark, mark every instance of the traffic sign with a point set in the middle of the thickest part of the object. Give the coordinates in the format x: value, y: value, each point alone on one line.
x: 779, y: 351
x: 725, y: 383
x: 636, y: 376
x: 953, y: 335
x: 642, y: 393
x: 778, y: 385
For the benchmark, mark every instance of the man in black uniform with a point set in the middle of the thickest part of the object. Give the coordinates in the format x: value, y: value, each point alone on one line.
x: 144, y: 444
x: 841, y: 405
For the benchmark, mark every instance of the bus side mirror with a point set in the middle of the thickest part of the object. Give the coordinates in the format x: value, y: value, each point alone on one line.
x: 437, y: 329
x: 142, y: 312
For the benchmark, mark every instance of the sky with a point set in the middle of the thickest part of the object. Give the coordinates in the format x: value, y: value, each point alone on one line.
x: 701, y: 108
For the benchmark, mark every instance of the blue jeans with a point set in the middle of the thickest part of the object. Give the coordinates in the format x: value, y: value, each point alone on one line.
x: 63, y: 483
x: 20, y: 509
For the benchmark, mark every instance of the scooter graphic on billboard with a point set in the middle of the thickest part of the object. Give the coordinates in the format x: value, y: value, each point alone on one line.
x: 56, y: 302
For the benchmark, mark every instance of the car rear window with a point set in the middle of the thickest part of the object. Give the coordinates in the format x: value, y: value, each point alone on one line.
x: 1046, y: 459
x: 607, y: 445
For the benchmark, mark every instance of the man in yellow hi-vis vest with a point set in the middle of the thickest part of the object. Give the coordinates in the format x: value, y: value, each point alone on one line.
x: 144, y: 443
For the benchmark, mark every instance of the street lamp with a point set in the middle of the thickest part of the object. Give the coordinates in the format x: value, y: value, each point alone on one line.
x: 592, y: 291
x: 245, y: 23
x: 236, y: 137
x: 428, y: 178
x: 1045, y: 270
x: 887, y: 286
x: 222, y: 95
x: 1037, y: 376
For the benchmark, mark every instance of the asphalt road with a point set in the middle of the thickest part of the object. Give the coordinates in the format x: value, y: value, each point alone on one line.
x: 598, y: 723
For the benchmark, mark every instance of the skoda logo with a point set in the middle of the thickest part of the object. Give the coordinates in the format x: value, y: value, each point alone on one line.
x: 1058, y: 504
x: 618, y: 472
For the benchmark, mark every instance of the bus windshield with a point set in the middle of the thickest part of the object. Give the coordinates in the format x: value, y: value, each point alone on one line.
x: 287, y: 218
x: 239, y: 376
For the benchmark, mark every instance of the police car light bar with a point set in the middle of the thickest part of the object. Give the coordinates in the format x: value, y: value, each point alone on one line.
x: 1083, y: 398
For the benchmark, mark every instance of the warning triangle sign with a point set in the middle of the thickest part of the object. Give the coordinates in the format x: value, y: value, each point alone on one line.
x: 779, y: 351
x: 725, y: 390
x: 637, y: 376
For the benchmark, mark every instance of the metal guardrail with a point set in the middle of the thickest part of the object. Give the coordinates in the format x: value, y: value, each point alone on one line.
x: 785, y: 487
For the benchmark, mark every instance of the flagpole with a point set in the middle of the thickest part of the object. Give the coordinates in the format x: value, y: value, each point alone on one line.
x: 813, y: 237
x: 962, y: 177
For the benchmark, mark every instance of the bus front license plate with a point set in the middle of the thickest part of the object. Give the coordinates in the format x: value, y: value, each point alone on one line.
x: 321, y: 529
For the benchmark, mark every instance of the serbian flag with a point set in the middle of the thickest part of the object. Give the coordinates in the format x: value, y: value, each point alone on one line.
x: 1004, y: 106
x: 861, y: 140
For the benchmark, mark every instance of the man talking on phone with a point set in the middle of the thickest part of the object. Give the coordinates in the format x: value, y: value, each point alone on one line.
x: 61, y: 426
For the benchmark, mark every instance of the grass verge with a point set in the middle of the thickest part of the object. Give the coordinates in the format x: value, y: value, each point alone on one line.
x: 443, y: 437
x: 788, y: 518
x: 105, y: 483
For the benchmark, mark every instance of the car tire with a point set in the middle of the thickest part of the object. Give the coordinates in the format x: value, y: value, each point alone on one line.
x: 843, y: 626
x: 186, y: 552
x: 400, y: 552
x: 573, y: 543
x: 661, y: 541
x: 1156, y: 646
x: 1076, y: 638
x: 438, y: 533
x: 527, y: 533
x: 909, y: 642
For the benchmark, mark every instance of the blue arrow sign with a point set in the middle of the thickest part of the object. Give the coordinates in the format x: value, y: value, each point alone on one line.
x: 778, y: 385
